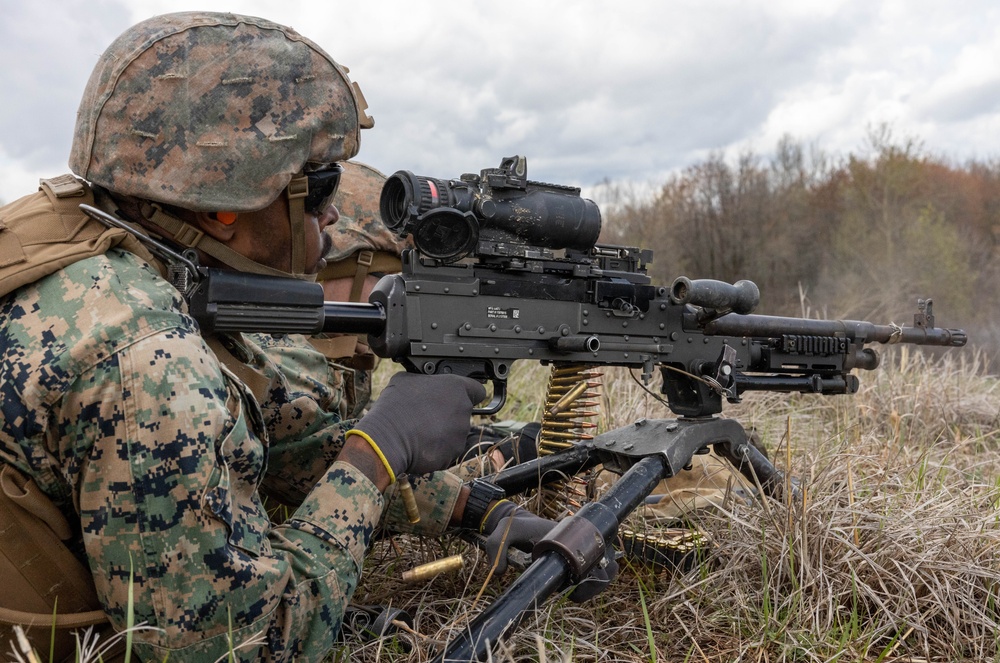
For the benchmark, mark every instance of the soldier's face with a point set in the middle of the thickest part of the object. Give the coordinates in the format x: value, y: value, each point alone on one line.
x: 266, y: 236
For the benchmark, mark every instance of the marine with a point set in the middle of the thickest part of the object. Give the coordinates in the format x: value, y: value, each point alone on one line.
x: 154, y: 451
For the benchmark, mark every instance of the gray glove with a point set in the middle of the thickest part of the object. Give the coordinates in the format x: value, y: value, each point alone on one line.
x: 420, y: 423
x: 524, y: 531
x: 508, y: 526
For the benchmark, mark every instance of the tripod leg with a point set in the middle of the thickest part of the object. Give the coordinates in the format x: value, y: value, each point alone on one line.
x: 557, y: 565
x: 755, y: 466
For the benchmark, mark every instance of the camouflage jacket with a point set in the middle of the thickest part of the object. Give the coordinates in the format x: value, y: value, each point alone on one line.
x: 116, y: 406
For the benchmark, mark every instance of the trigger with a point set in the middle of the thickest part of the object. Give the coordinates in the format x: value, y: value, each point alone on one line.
x: 498, y: 400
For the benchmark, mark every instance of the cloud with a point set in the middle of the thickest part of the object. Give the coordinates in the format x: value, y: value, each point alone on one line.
x: 587, y: 90
x: 968, y: 89
x: 926, y: 69
x: 47, y: 57
x: 18, y: 178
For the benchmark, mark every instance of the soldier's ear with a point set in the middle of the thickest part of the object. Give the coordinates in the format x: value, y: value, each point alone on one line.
x: 217, y: 225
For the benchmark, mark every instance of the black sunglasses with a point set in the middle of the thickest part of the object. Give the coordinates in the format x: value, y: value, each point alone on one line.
x: 323, y: 185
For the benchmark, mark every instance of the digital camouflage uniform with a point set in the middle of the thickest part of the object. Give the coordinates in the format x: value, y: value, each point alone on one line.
x: 115, y: 405
x: 123, y: 414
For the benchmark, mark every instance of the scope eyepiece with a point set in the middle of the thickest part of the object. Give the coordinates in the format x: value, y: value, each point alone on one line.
x: 397, y: 197
x: 434, y: 212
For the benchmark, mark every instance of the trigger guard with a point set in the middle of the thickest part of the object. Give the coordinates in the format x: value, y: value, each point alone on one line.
x: 497, y: 402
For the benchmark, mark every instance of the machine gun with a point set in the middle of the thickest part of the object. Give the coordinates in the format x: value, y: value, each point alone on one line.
x: 507, y: 269
x: 539, y: 287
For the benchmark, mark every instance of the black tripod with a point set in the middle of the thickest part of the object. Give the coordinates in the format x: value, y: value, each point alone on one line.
x: 646, y: 453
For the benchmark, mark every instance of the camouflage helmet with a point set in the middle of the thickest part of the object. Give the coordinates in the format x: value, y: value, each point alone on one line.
x: 212, y: 112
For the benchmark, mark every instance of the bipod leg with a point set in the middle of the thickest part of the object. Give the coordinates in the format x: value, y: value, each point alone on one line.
x: 566, y: 555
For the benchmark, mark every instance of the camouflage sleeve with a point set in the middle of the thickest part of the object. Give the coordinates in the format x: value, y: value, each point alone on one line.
x: 301, y: 412
x: 166, y: 460
x: 436, y: 496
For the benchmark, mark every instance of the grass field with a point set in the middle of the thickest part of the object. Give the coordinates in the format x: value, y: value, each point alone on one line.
x: 894, y: 555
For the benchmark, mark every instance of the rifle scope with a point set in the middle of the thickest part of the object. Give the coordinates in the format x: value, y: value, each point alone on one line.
x: 451, y: 219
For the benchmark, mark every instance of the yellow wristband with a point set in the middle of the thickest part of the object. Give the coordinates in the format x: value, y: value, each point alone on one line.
x: 378, y: 452
x: 488, y: 512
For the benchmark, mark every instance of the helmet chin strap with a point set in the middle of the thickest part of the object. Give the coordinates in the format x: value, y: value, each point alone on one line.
x: 296, y: 191
x: 191, y: 237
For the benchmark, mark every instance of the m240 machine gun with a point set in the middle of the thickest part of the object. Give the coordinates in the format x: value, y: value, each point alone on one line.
x: 508, y: 269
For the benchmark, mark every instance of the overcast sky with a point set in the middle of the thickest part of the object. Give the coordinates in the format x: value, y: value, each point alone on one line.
x: 587, y: 90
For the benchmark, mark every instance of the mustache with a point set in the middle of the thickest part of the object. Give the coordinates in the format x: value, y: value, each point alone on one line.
x: 326, y: 244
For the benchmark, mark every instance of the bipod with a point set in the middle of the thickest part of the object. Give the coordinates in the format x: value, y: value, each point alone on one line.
x: 645, y: 453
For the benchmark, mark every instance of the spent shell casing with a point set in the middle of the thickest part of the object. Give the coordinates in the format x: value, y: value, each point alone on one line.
x: 564, y: 388
x: 409, y: 499
x: 567, y: 400
x: 574, y: 405
x: 433, y: 569
x: 554, y: 398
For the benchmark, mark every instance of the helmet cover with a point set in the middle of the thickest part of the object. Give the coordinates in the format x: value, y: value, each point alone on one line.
x: 213, y: 112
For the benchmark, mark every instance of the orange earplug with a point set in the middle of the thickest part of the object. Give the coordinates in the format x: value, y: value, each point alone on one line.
x: 226, y: 218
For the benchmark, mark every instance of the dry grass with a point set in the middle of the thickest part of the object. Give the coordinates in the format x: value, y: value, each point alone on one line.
x: 894, y: 556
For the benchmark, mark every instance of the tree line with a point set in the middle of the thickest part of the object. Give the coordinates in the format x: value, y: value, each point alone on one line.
x: 860, y: 237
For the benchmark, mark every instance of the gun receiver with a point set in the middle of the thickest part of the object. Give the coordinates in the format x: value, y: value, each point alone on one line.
x: 476, y: 319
